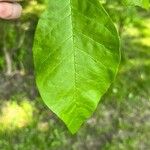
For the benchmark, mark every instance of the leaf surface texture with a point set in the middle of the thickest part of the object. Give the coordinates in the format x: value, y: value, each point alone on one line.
x: 76, y: 56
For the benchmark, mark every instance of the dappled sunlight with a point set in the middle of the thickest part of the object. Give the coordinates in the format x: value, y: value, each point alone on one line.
x: 132, y: 31
x: 14, y: 115
x: 142, y: 35
x: 134, y: 75
x: 34, y: 7
x: 43, y: 126
x: 137, y: 37
x: 145, y: 41
x: 146, y: 23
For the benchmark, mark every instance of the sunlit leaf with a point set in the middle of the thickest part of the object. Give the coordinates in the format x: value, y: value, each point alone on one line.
x: 76, y: 56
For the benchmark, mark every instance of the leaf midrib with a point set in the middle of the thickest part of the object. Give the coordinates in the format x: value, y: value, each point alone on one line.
x: 74, y: 55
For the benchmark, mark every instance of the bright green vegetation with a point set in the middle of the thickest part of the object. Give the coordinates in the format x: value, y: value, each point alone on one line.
x: 121, y: 121
x: 122, y: 118
x: 76, y: 55
x: 141, y: 3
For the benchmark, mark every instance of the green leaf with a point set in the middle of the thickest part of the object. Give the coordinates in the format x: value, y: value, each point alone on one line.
x: 76, y: 56
x: 141, y: 3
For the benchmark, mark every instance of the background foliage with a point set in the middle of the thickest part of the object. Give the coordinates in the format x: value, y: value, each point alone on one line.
x: 122, y: 119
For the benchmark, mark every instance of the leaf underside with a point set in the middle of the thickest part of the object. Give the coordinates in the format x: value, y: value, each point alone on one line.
x: 76, y: 56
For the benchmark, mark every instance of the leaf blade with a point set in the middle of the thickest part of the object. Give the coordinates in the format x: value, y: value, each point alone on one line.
x: 79, y: 58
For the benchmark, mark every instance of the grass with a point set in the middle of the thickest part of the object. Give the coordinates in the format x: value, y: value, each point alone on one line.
x: 121, y: 122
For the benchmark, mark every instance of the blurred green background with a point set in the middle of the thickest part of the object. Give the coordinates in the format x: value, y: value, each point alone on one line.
x: 122, y: 119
